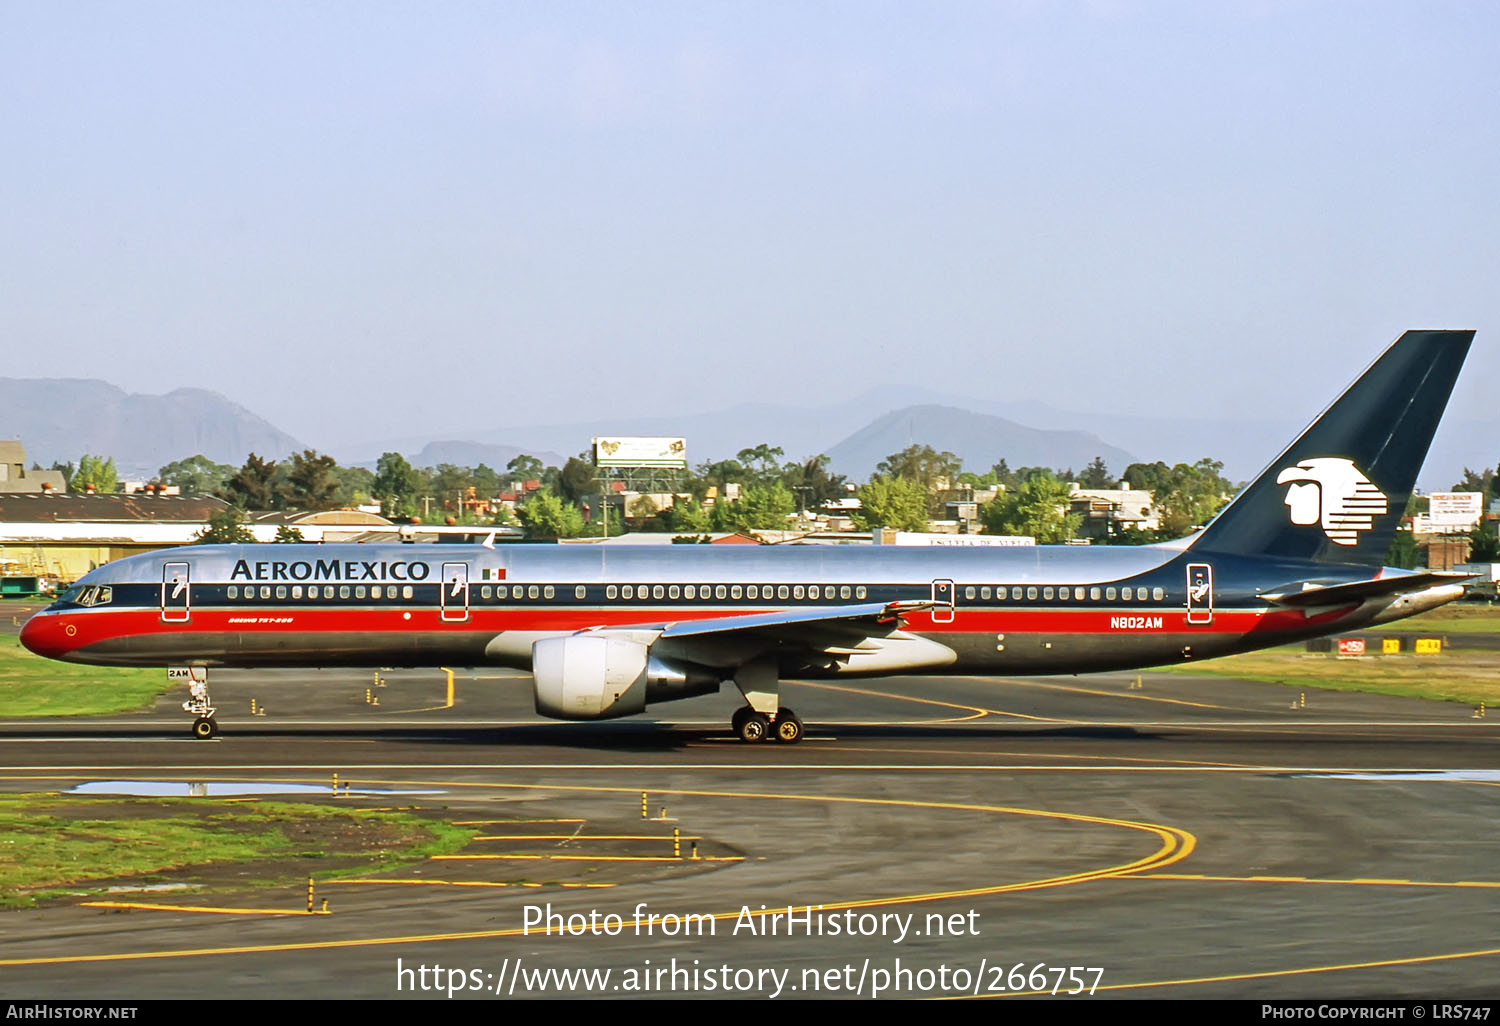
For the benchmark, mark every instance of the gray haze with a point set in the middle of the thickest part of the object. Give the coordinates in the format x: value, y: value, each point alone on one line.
x: 435, y: 220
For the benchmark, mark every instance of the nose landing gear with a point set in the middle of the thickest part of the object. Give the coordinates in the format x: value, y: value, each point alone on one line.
x: 205, y: 727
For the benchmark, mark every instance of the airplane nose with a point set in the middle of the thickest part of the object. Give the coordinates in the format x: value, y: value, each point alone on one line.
x: 43, y: 635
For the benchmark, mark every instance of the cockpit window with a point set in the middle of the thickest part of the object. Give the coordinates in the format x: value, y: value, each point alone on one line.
x: 71, y: 594
x: 103, y: 597
x: 87, y: 598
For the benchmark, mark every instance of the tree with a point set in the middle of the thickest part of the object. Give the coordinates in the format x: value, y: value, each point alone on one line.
x: 761, y: 462
x: 312, y: 481
x: 525, y: 467
x: 576, y: 479
x: 94, y: 471
x: 1038, y: 508
x: 256, y: 486
x: 226, y: 527
x: 812, y: 483
x: 1189, y: 496
x: 286, y: 534
x: 196, y: 475
x: 1096, y: 475
x: 1484, y: 545
x: 891, y: 502
x: 544, y: 515
x: 396, y: 485
x: 687, y: 515
x: 760, y: 508
x: 67, y: 470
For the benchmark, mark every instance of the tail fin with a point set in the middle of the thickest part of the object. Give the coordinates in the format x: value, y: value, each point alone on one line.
x: 1336, y: 494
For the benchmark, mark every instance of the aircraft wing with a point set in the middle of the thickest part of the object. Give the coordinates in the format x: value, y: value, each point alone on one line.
x: 865, y: 638
x: 1311, y: 593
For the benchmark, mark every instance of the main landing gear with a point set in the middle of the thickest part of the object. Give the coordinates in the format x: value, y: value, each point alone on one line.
x: 754, y: 727
x: 205, y: 727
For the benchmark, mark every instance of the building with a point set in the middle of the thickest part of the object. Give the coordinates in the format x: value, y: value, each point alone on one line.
x: 1109, y: 511
x: 15, y: 478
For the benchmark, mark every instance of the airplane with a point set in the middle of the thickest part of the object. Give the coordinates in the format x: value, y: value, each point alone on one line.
x: 606, y: 631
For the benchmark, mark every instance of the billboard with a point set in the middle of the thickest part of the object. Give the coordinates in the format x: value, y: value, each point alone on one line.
x: 1455, y: 509
x: 622, y: 451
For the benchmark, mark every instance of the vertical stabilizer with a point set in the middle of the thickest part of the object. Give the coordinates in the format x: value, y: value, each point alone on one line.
x: 1337, y: 493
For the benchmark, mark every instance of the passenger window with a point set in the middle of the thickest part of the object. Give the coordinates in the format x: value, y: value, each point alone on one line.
x: 627, y: 592
x: 783, y: 592
x: 984, y: 594
x: 1015, y: 593
x: 844, y: 591
x: 281, y: 591
x: 611, y: 592
x: 1127, y: 594
x: 812, y: 591
x: 406, y: 591
x: 359, y: 591
x: 580, y: 592
x: 234, y: 591
x: 1078, y: 594
x: 860, y: 592
x: 734, y: 591
x: 500, y: 592
x: 376, y: 591
x: 485, y: 593
x: 690, y: 592
x: 673, y: 592
x: 1046, y: 593
x: 720, y: 591
x: 1158, y: 593
x: 532, y: 591
x: 752, y: 591
x: 970, y: 594
x: 548, y: 592
x: 657, y: 591
x: 1109, y: 593
x: 1094, y: 594
x: 797, y: 592
x: 1031, y: 593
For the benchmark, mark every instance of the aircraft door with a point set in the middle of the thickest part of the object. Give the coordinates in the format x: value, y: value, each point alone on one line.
x: 943, y: 592
x: 455, y: 585
x: 176, y: 593
x: 1200, y: 593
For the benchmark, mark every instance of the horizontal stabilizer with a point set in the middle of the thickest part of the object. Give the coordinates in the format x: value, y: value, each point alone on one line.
x: 1310, y: 593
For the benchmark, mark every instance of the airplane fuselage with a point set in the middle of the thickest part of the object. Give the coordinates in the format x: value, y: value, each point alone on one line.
x: 1000, y: 611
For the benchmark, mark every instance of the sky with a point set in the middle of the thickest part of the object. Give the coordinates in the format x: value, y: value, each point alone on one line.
x: 371, y: 219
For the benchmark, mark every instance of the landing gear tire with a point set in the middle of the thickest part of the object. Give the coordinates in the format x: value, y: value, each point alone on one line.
x: 753, y: 727
x: 787, y: 728
x: 204, y: 728
x: 738, y: 719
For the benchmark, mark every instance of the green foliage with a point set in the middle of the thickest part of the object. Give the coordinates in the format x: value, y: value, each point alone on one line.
x: 396, y: 485
x: 94, y: 471
x: 576, y: 479
x: 760, y: 508
x: 544, y: 515
x: 1038, y: 508
x: 525, y: 468
x: 1188, y: 496
x: 687, y: 515
x: 286, y: 534
x: 893, y: 502
x: 226, y: 527
x: 811, y: 482
x: 1096, y: 475
x: 932, y: 470
x: 312, y: 481
x: 256, y: 485
x: 68, y: 470
x: 196, y: 475
x: 1484, y: 544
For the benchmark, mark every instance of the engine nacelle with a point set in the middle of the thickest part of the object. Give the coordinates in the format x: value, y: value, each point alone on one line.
x: 600, y: 676
x: 585, y: 677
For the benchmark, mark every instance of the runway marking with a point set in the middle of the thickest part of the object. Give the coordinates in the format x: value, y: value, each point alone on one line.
x: 1359, y: 881
x: 508, y: 822
x: 978, y: 711
x: 1274, y: 973
x: 585, y: 837
x: 186, y: 774
x: 1175, y: 845
x: 1017, y: 682
x: 204, y: 908
x: 404, y: 881
x: 588, y: 858
x: 1049, y: 755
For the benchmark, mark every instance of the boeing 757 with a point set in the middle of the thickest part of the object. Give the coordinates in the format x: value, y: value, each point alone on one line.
x: 607, y: 631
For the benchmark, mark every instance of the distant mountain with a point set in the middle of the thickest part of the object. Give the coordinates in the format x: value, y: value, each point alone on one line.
x: 471, y: 454
x: 60, y: 419
x: 980, y: 440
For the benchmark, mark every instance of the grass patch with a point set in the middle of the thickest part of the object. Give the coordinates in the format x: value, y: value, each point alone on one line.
x: 1469, y: 677
x: 1454, y: 618
x: 52, y: 845
x: 33, y: 686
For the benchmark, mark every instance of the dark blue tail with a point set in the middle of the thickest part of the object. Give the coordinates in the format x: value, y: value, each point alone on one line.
x: 1337, y: 493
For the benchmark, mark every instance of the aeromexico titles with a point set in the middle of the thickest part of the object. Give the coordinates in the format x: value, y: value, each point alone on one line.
x: 606, y: 630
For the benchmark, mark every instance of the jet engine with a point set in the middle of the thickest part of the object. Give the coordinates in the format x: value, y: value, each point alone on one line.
x: 599, y: 677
